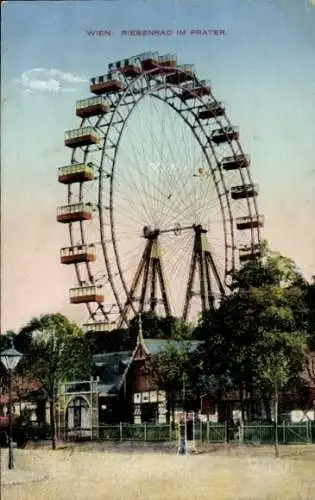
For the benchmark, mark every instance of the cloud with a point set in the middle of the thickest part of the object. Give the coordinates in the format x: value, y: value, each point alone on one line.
x: 48, y: 80
x: 67, y: 77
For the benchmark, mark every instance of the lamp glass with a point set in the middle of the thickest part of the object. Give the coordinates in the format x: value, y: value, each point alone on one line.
x: 11, y: 358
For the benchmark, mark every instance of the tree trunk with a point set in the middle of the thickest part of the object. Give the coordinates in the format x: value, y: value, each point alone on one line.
x: 277, y: 454
x: 242, y: 405
x: 52, y: 408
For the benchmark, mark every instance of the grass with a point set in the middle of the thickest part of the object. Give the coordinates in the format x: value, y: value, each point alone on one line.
x: 130, y: 472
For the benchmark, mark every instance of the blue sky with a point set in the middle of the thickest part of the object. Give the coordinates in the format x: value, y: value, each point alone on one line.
x: 263, y: 68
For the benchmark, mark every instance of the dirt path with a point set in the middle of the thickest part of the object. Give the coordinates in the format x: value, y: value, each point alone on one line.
x: 91, y: 472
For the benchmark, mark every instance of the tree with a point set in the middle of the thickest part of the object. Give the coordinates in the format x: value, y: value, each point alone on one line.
x: 5, y: 339
x: 268, y: 295
x: 56, y: 352
x: 171, y: 371
x: 279, y: 356
x: 110, y: 341
x: 310, y: 370
x: 310, y: 302
x: 156, y: 327
x: 271, y: 269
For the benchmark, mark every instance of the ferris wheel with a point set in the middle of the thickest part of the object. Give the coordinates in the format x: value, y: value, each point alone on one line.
x: 161, y: 206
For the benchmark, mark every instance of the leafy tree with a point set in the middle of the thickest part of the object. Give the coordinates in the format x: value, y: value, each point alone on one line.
x: 176, y: 328
x: 310, y: 303
x: 171, y: 371
x: 156, y: 327
x: 279, y: 356
x: 114, y: 340
x: 268, y: 295
x: 150, y: 325
x: 56, y: 352
x: 310, y: 370
x: 271, y: 269
x: 5, y: 342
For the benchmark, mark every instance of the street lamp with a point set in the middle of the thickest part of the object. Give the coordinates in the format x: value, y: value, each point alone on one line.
x: 10, y: 358
x: 183, y: 445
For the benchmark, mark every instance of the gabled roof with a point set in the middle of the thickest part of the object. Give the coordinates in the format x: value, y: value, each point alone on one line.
x: 113, y: 366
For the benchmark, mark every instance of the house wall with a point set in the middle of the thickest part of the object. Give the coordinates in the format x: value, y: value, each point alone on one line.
x: 148, y: 403
x: 140, y: 377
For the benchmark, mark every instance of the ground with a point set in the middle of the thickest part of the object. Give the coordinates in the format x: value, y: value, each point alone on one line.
x: 129, y: 472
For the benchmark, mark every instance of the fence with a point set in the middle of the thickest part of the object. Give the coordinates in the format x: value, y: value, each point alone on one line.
x: 288, y: 433
x: 206, y: 432
x: 137, y: 432
x: 258, y: 433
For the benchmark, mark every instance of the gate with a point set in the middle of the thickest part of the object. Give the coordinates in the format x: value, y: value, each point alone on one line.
x: 300, y: 433
x: 213, y: 433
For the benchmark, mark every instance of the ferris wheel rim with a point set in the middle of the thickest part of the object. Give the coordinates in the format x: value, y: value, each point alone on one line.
x: 130, y: 83
x: 113, y: 226
x: 225, y: 221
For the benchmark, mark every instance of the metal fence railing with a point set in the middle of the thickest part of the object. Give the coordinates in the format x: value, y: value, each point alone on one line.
x: 212, y: 433
x: 206, y: 432
x: 288, y: 433
x: 136, y: 432
x: 258, y: 433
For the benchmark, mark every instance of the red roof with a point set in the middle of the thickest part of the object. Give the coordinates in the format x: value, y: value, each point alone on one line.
x: 21, y: 387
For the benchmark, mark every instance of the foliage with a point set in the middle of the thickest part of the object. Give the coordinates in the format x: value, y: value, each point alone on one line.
x: 171, y: 369
x: 54, y: 351
x: 170, y: 365
x: 279, y: 356
x: 155, y: 327
x: 272, y: 269
x: 268, y: 296
x: 112, y: 341
x: 309, y: 294
x: 5, y: 341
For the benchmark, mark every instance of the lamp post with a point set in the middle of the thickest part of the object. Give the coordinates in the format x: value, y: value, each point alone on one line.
x: 183, y: 445
x: 10, y: 359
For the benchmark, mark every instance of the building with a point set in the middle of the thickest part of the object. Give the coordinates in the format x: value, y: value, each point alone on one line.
x: 126, y: 389
x: 26, y: 397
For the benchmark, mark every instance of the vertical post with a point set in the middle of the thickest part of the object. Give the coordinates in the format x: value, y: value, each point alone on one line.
x: 276, y: 411
x: 185, y: 434
x: 11, y: 461
x: 193, y: 432
x: 120, y: 431
x: 183, y: 438
x: 283, y: 433
x: 242, y: 431
x: 145, y: 432
x: 308, y: 428
x: 182, y: 427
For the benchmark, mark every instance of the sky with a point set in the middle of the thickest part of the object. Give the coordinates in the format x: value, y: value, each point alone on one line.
x: 262, y: 67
